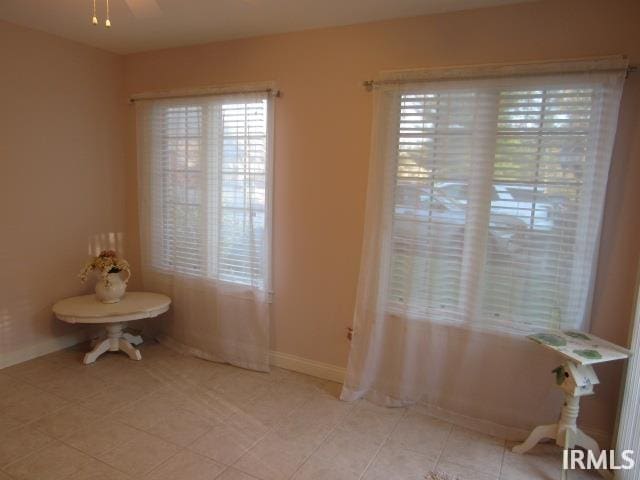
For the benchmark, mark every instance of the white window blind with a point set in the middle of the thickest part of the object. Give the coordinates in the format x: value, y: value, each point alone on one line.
x: 497, y: 194
x: 208, y: 164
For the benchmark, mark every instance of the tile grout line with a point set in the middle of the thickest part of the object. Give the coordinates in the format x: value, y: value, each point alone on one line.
x: 52, y: 439
x: 267, y: 432
x: 483, y: 472
x: 39, y: 386
x: 166, y: 460
x: 320, y: 443
x: 275, y: 426
x: 271, y: 429
x: 64, y: 440
x: 37, y: 450
x: 180, y: 448
x: 226, y: 466
x: 101, y: 417
x: 384, y: 442
x: 226, y: 422
x: 94, y: 457
x: 82, y: 453
x: 230, y: 467
x: 504, y: 454
x: 68, y: 403
x: 444, y: 445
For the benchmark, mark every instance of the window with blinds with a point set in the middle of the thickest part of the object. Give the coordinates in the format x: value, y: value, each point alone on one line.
x: 497, y: 199
x: 209, y: 193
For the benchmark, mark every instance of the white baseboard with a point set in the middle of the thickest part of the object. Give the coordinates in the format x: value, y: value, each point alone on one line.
x: 306, y: 366
x: 42, y: 348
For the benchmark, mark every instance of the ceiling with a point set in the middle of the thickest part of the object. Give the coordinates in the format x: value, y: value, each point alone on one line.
x: 140, y: 25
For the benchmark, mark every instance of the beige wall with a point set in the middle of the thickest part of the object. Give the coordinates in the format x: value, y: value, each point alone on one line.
x: 61, y: 178
x: 322, y: 145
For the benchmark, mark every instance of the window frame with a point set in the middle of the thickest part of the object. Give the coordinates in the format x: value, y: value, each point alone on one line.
x: 211, y: 198
x: 429, y: 312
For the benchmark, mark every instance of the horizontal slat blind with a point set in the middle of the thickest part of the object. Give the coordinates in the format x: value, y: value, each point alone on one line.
x: 179, y: 231
x: 241, y: 238
x: 540, y: 181
x: 498, y: 194
x: 208, y: 167
x: 435, y: 146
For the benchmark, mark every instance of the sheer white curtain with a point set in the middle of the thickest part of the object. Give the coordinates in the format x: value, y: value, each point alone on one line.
x: 205, y: 220
x: 484, y: 207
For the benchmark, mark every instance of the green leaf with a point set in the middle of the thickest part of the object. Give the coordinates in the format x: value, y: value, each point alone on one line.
x: 591, y: 354
x: 580, y: 335
x: 549, y: 339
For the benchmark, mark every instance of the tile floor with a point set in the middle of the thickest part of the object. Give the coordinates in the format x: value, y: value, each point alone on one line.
x: 171, y: 417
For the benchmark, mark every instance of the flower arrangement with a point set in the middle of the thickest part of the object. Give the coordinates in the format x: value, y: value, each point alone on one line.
x: 105, y: 263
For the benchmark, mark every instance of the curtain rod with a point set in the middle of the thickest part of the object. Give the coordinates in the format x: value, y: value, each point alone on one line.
x: 371, y: 84
x: 203, y: 93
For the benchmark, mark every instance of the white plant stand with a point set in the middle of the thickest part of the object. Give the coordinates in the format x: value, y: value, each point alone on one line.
x: 576, y: 377
x: 86, y: 309
x: 579, y: 382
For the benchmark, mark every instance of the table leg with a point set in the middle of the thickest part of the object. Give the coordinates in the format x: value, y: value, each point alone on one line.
x: 98, y: 349
x: 126, y: 347
x: 538, y: 434
x: 115, y: 340
x: 585, y: 441
x: 133, y: 339
x: 563, y: 432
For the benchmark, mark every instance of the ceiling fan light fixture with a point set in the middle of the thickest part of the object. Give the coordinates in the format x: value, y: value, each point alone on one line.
x: 94, y: 18
x: 107, y: 22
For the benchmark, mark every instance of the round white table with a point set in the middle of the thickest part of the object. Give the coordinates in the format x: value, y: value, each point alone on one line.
x: 133, y: 306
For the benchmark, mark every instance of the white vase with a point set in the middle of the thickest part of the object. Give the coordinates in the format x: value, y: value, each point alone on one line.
x: 111, y: 290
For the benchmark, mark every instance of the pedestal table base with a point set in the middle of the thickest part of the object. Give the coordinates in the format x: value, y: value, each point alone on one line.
x: 566, y: 432
x: 115, y: 340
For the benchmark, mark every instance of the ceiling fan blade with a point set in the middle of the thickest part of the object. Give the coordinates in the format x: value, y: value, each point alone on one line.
x: 144, y: 8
